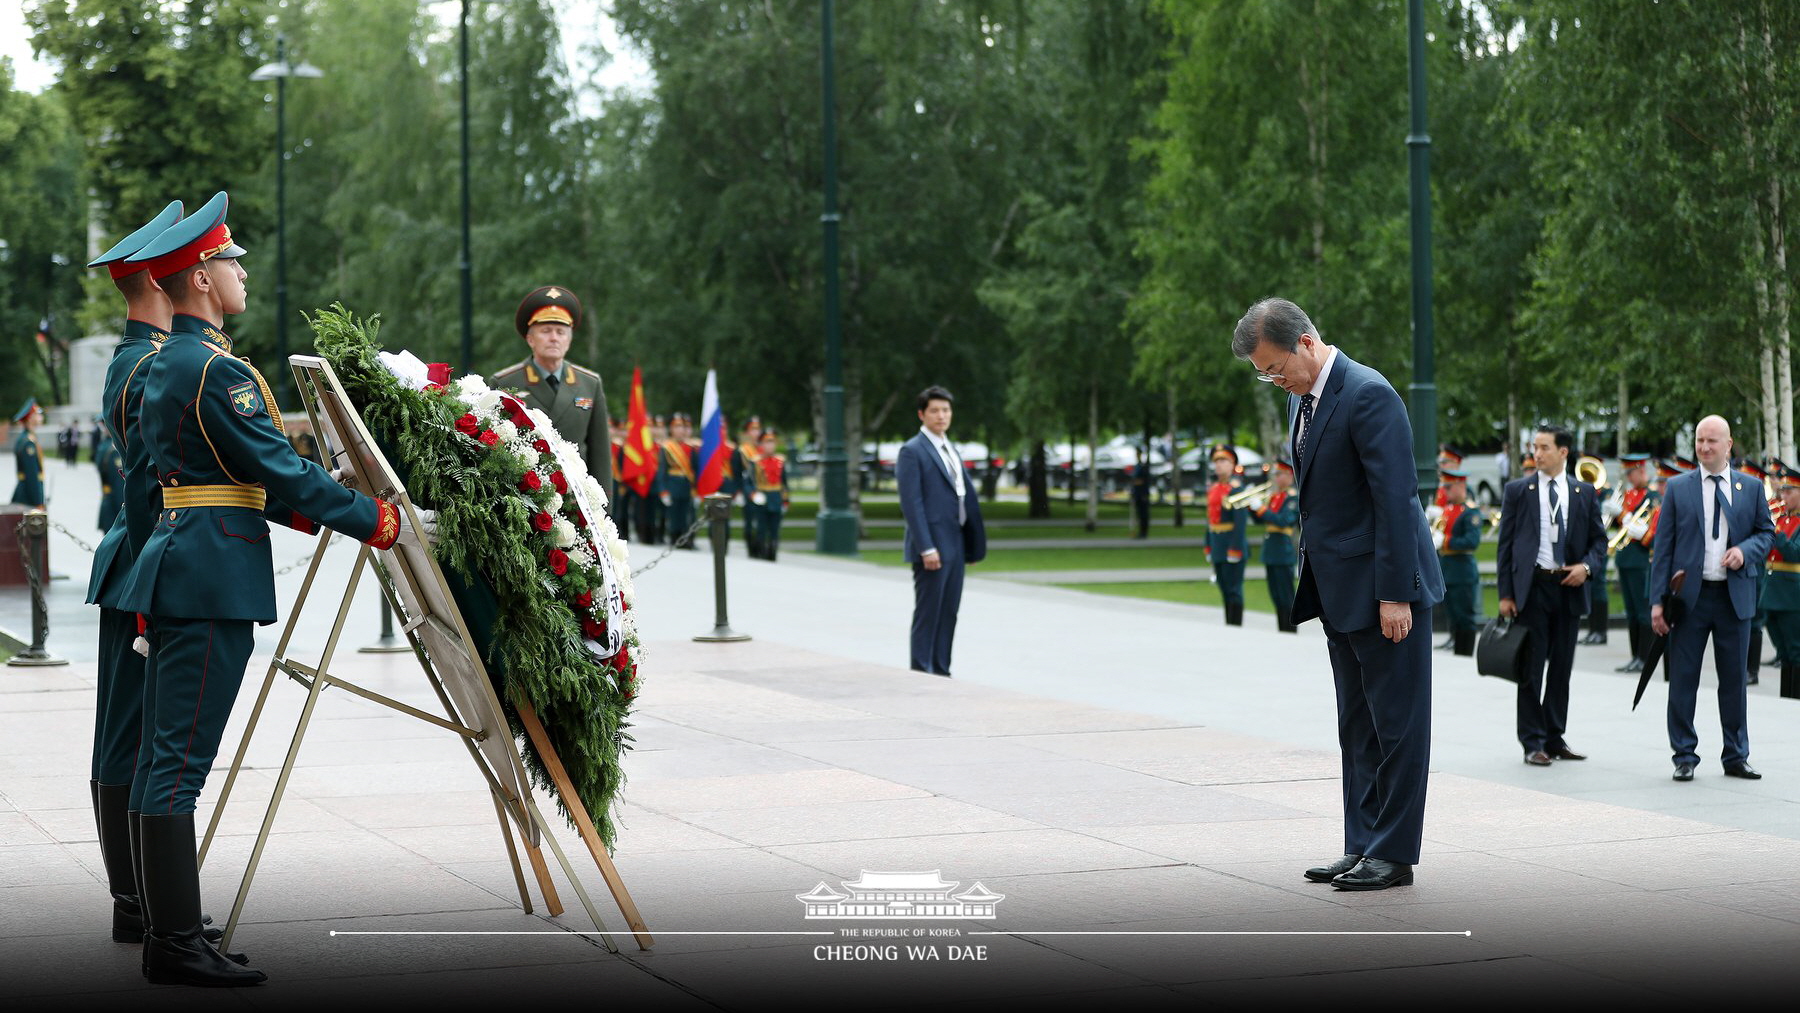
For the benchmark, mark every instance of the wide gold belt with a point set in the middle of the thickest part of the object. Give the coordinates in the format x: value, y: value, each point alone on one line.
x: 1785, y: 567
x: 1221, y: 527
x: 1273, y: 530
x: 215, y: 496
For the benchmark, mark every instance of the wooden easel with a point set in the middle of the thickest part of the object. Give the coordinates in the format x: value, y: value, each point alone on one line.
x: 416, y: 591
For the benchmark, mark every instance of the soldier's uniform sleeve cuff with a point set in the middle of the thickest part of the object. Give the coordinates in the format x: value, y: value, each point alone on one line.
x: 387, y: 526
x: 302, y: 524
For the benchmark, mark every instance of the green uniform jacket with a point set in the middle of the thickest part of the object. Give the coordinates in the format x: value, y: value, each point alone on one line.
x: 675, y: 469
x: 206, y: 426
x: 576, y: 406
x: 110, y: 462
x: 1781, y: 589
x: 1636, y: 555
x: 1281, y: 523
x: 1219, y: 544
x: 1460, y: 542
x: 139, y: 499
x: 30, y: 490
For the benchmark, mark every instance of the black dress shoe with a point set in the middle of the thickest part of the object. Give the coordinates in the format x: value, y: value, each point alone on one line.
x: 1327, y: 873
x: 1753, y: 681
x: 1745, y: 771
x: 1565, y: 753
x: 1634, y: 665
x: 1538, y: 758
x: 1684, y: 772
x: 1375, y: 874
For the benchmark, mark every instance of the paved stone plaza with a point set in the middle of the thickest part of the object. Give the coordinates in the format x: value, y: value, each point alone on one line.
x: 1141, y: 784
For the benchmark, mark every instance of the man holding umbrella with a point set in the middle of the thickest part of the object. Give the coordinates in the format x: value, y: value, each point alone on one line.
x: 1714, y: 525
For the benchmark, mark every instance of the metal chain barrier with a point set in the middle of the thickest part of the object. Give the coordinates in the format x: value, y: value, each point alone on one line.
x: 686, y: 537
x: 85, y: 547
x: 303, y: 560
x: 31, y: 538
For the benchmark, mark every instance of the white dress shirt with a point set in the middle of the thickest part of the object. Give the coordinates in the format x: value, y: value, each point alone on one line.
x: 1318, y: 390
x: 1550, y: 552
x: 1712, y: 561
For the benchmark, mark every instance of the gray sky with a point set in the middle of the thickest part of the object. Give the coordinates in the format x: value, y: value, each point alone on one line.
x: 583, y: 22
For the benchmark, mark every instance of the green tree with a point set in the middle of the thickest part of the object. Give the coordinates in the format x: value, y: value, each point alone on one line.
x: 40, y: 236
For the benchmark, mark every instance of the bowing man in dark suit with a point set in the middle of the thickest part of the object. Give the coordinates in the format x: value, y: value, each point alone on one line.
x: 943, y: 530
x: 1715, y: 525
x: 1552, y: 540
x: 1368, y: 573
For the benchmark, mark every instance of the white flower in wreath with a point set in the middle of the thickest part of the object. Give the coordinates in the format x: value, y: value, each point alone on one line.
x: 509, y: 435
x: 471, y: 386
x: 562, y: 533
x: 594, y: 491
x: 486, y: 404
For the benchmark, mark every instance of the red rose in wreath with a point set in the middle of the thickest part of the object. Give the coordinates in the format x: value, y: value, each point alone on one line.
x: 542, y: 520
x: 559, y: 561
x: 468, y: 425
x: 531, y: 482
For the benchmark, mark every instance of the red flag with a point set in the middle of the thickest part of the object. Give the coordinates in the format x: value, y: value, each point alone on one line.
x: 637, y: 466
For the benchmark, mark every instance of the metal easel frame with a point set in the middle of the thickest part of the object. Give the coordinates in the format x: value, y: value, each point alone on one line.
x: 414, y: 587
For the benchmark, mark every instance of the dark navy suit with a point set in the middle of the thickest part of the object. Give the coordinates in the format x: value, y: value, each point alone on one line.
x: 1549, y: 610
x: 928, y: 501
x: 1721, y: 611
x: 1364, y: 540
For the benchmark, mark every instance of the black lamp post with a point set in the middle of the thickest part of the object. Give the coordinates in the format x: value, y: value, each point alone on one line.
x: 835, y: 533
x: 279, y: 72
x: 1418, y: 146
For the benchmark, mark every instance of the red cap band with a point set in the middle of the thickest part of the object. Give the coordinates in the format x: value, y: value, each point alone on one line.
x: 210, y: 243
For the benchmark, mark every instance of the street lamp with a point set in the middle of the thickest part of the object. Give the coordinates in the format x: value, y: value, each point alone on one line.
x: 279, y: 72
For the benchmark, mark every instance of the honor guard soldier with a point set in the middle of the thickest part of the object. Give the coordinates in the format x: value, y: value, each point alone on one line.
x: 128, y: 508
x: 675, y: 474
x: 769, y: 493
x: 1456, y: 531
x: 743, y: 472
x: 204, y: 578
x: 1781, y: 594
x: 30, y: 490
x: 1629, y: 538
x: 1280, y: 517
x: 569, y: 394
x: 1227, y: 532
x: 1753, y: 661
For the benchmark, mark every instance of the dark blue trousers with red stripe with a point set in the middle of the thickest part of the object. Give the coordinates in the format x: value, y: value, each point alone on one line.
x: 119, y: 702
x: 190, y: 684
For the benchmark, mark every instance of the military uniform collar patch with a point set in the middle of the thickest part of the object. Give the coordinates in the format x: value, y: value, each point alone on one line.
x: 217, y: 337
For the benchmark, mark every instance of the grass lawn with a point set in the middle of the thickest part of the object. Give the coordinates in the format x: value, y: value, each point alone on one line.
x: 1127, y: 557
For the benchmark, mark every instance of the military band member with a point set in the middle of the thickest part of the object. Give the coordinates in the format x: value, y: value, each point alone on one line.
x: 769, y: 491
x: 1781, y: 594
x: 1753, y: 662
x: 1449, y: 459
x: 204, y: 578
x: 1599, y: 601
x: 1227, y: 538
x: 1280, y: 517
x: 1637, y: 505
x: 30, y: 490
x: 1457, y: 534
x: 657, y: 504
x: 675, y: 475
x: 119, y: 686
x: 571, y: 395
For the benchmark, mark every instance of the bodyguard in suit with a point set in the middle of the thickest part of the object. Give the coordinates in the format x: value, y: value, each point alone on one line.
x: 1368, y: 573
x: 1552, y: 542
x: 131, y: 487
x: 205, y: 578
x: 944, y: 532
x: 1715, y: 526
x: 571, y: 395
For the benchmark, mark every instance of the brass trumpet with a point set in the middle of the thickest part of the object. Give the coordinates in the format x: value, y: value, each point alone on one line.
x: 1252, y: 497
x: 1638, y: 516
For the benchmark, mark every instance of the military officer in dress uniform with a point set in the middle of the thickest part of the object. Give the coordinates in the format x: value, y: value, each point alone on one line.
x: 1227, y: 532
x: 743, y: 472
x: 204, y: 578
x: 1637, y: 504
x: 30, y: 490
x: 675, y: 475
x: 1457, y: 534
x: 571, y: 395
x: 769, y: 493
x: 119, y: 697
x: 1781, y: 594
x: 1280, y: 517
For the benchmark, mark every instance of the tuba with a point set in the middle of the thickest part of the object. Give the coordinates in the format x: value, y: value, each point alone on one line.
x: 1592, y: 470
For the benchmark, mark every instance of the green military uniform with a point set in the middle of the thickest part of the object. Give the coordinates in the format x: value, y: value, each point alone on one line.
x: 1462, y: 575
x: 110, y: 463
x: 572, y: 396
x: 768, y: 496
x: 1280, y: 517
x: 1636, y: 506
x: 675, y: 475
x: 1780, y: 599
x: 205, y: 576
x: 1759, y: 620
x: 744, y: 458
x: 30, y: 490
x: 1228, y: 540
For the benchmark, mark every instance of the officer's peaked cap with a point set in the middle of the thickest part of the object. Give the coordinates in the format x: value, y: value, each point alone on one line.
x: 114, y: 259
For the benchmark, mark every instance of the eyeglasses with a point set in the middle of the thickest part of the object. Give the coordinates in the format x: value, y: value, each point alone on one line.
x: 1274, y: 373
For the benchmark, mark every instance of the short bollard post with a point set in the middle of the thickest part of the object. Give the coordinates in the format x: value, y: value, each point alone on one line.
x: 388, y: 643
x: 718, y: 515
x: 34, y: 532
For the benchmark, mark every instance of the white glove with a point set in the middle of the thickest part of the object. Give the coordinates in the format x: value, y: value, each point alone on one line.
x: 1433, y: 512
x: 1636, y: 530
x: 1610, y: 509
x: 1437, y: 541
x: 427, y: 535
x: 758, y: 498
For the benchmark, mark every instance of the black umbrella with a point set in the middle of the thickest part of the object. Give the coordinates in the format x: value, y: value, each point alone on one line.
x: 1672, y: 607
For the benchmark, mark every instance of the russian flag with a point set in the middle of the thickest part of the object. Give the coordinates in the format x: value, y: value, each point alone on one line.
x: 714, y: 458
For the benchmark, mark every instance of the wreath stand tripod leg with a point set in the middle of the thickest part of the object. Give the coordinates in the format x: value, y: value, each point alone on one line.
x: 262, y: 697
x: 584, y: 823
x: 552, y: 903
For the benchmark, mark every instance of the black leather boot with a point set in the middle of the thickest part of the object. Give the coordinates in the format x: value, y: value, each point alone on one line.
x: 1465, y: 642
x: 116, y: 851
x: 176, y: 951
x: 1234, y: 613
x: 1753, y: 663
x: 1790, y: 680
